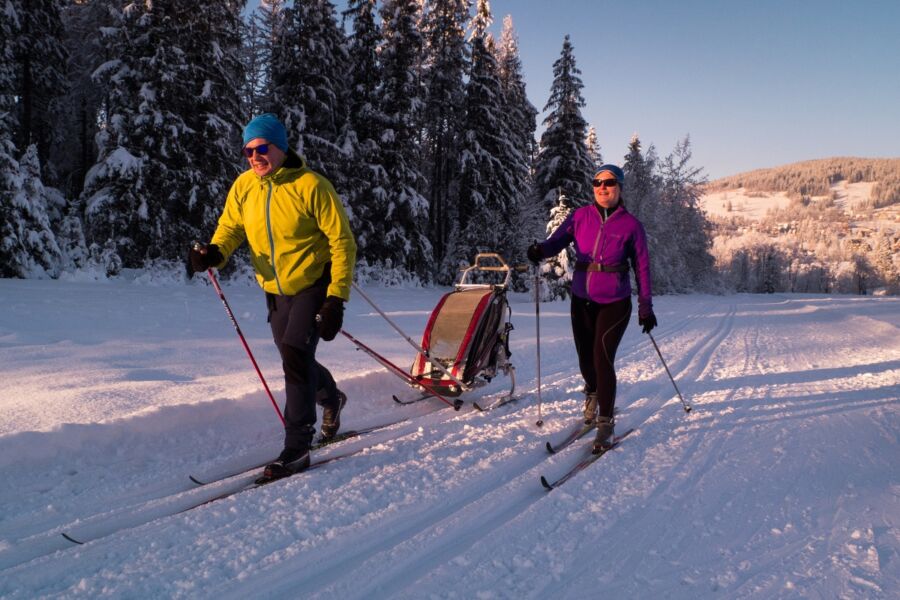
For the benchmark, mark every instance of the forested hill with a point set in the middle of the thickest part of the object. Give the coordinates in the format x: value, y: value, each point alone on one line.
x: 815, y: 178
x: 823, y: 226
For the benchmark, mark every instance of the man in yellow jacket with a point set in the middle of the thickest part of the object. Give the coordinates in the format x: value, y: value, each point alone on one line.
x: 303, y: 252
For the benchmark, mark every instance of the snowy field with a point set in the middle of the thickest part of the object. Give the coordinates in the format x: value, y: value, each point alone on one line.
x: 784, y: 481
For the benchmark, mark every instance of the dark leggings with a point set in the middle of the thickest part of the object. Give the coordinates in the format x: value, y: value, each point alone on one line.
x: 598, y: 329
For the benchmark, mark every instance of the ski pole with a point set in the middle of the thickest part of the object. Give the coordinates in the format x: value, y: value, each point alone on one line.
x: 687, y: 407
x: 215, y: 282
x: 537, y: 327
x: 418, y: 348
x: 400, y: 372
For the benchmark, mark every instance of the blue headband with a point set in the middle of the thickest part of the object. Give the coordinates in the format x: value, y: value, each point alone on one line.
x: 615, y: 170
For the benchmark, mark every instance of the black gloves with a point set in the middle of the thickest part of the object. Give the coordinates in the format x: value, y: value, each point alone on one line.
x: 648, y: 322
x: 330, y: 318
x: 534, y: 253
x: 201, y: 258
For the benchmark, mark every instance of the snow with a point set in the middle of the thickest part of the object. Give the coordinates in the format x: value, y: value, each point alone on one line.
x: 743, y: 203
x: 781, y: 483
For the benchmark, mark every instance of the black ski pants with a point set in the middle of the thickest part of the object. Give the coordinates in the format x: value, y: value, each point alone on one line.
x: 598, y: 329
x: 306, y: 382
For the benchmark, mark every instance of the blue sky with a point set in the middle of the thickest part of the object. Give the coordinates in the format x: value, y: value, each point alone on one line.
x: 755, y: 84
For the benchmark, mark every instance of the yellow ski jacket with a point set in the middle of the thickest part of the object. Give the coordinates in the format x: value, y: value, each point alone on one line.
x: 294, y: 223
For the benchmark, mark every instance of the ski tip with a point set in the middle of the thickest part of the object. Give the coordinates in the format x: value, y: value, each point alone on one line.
x: 396, y: 399
x: 478, y: 408
x: 71, y: 539
x: 550, y: 449
x: 195, y: 480
x: 546, y: 483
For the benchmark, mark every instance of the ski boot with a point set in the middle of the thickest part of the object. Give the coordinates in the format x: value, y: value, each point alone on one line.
x: 606, y: 429
x: 331, y: 417
x: 289, y: 462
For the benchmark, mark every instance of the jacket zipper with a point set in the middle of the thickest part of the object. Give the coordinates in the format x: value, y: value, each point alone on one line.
x: 271, y: 237
x: 599, y: 239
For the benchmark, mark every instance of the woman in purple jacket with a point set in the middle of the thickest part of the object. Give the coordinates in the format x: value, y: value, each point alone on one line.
x: 608, y: 241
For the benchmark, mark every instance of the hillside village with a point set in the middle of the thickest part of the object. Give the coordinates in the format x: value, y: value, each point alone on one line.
x: 830, y: 225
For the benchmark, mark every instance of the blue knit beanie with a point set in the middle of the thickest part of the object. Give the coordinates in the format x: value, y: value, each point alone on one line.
x: 269, y: 128
x: 615, y: 170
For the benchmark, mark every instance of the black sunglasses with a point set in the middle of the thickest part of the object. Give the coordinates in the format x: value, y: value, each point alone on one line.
x: 262, y: 149
x: 605, y: 182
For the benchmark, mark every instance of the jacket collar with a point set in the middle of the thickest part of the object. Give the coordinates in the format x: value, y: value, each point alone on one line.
x: 606, y: 213
x: 288, y: 170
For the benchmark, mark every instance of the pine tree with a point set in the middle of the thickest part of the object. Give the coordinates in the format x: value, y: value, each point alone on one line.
x: 27, y: 243
x: 8, y: 123
x: 556, y: 271
x: 168, y: 145
x: 75, y: 120
x: 593, y: 150
x: 444, y: 67
x: 520, y: 122
x: 264, y: 35
x: 563, y: 165
x: 366, y: 177
x: 406, y: 245
x: 309, y: 89
x: 641, y: 184
x: 687, y: 235
x: 487, y: 186
x: 40, y: 60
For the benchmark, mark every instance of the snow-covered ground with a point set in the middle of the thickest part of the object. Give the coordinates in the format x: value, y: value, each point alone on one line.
x: 783, y: 482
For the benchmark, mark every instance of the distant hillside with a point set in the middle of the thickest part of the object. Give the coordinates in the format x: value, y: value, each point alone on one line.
x: 816, y: 178
x: 830, y: 225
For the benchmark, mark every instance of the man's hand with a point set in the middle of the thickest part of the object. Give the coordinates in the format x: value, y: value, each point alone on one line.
x: 200, y: 258
x: 330, y: 318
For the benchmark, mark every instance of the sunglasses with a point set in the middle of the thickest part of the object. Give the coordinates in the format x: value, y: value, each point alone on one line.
x: 262, y: 149
x: 605, y: 183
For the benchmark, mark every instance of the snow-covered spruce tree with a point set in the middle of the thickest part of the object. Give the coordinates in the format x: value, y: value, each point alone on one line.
x: 366, y: 178
x: 262, y: 41
x: 885, y: 263
x: 642, y: 194
x: 28, y: 246
x: 168, y: 143
x: 487, y: 183
x: 593, y: 149
x: 75, y: 120
x: 406, y: 245
x: 520, y: 121
x: 10, y: 183
x: 309, y: 87
x: 563, y: 165
x: 641, y: 181
x: 39, y: 58
x: 443, y: 71
x: 686, y: 237
x: 556, y: 271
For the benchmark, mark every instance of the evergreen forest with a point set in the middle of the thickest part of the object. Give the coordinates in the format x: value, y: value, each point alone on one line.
x: 120, y: 135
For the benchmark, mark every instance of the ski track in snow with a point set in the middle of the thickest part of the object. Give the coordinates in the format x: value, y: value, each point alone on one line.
x: 782, y: 482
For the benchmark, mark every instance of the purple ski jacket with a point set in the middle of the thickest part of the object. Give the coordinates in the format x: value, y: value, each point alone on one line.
x: 618, y: 241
